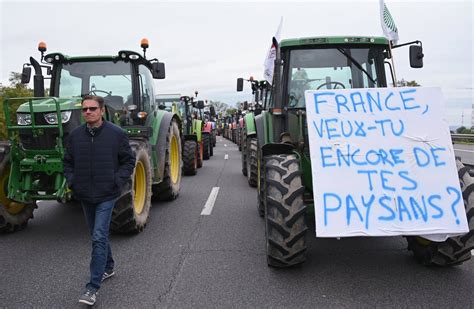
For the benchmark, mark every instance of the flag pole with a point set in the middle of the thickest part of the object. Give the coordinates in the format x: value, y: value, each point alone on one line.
x: 393, y: 64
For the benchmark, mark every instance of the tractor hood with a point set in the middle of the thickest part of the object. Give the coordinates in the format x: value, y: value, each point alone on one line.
x: 49, y: 105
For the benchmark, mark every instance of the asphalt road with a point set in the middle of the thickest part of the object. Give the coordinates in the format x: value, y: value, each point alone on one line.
x: 465, y: 152
x: 186, y: 260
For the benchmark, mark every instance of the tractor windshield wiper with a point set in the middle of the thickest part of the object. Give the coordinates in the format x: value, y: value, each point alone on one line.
x: 357, y: 64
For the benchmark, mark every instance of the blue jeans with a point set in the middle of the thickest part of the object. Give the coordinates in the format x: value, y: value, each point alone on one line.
x: 98, y: 218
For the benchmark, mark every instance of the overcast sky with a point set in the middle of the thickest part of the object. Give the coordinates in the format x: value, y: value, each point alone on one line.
x: 206, y: 46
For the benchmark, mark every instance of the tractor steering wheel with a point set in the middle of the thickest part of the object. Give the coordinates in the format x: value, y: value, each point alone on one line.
x: 97, y: 90
x: 335, y: 85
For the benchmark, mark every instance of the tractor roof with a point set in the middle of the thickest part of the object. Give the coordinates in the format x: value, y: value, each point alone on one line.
x: 123, y: 54
x: 334, y: 40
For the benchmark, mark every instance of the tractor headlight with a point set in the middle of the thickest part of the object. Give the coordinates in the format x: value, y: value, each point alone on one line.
x: 51, y: 118
x: 23, y: 119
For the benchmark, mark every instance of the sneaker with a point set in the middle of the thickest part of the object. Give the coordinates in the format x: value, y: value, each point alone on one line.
x: 107, y: 274
x: 88, y: 298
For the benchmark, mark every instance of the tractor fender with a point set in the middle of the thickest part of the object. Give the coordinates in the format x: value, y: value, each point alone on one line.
x: 241, y: 122
x: 250, y: 124
x: 190, y: 137
x: 197, y: 129
x: 260, y: 128
x: 161, y: 142
x: 277, y: 148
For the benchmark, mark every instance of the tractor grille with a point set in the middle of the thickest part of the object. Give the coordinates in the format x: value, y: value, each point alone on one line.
x: 46, y: 138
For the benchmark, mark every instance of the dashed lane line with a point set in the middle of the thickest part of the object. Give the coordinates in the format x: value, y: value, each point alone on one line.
x: 206, y: 211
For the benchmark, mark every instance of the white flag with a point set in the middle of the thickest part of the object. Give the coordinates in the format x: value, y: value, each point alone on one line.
x: 269, y: 63
x: 388, y: 24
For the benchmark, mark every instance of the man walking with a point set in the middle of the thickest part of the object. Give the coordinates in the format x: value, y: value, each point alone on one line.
x: 97, y: 164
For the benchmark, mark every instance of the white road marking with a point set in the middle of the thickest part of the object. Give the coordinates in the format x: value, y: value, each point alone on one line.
x: 226, y: 157
x: 206, y: 211
x: 463, y: 150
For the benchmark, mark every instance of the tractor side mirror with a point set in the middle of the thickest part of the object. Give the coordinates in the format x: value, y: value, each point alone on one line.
x: 240, y: 84
x: 200, y: 104
x: 416, y: 56
x: 158, y: 70
x: 26, y: 75
x: 213, y: 111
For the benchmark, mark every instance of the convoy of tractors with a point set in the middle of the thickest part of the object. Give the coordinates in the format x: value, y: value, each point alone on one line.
x: 173, y: 134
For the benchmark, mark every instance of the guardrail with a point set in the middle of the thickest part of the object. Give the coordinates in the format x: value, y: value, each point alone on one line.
x: 462, y: 137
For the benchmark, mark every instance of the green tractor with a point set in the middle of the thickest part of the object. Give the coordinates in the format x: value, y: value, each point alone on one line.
x: 248, y: 132
x: 31, y: 166
x: 192, y: 157
x: 285, y: 186
x: 194, y: 130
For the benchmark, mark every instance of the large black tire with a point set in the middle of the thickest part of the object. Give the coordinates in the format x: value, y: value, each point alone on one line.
x: 190, y: 159
x: 252, y: 172
x: 168, y: 189
x: 243, y: 156
x: 13, y: 216
x: 454, y: 250
x: 260, y: 185
x: 211, y: 147
x: 285, y: 223
x: 199, y: 155
x: 206, y: 143
x: 131, y: 211
x: 239, y: 139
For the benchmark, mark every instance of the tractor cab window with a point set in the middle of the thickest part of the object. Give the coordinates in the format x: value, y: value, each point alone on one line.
x: 109, y: 80
x: 332, y: 68
x: 70, y: 85
x: 146, y: 87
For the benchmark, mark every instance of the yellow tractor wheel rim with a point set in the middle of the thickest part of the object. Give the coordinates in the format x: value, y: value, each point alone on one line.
x: 11, y: 207
x: 139, y: 188
x: 174, y: 159
x: 423, y: 241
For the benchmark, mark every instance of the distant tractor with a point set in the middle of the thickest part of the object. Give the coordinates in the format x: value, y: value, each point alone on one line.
x: 194, y: 131
x: 31, y: 165
x: 248, y: 130
x: 285, y: 185
x: 192, y: 157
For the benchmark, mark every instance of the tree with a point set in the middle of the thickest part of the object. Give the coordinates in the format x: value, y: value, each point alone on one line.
x: 15, y: 90
x: 15, y: 80
x: 463, y: 130
x: 231, y: 111
x: 219, y: 106
x: 405, y: 83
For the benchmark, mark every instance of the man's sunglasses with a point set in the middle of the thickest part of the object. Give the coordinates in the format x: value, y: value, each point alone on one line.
x: 92, y: 109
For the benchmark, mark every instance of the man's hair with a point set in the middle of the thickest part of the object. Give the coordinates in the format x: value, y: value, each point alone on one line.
x: 96, y: 98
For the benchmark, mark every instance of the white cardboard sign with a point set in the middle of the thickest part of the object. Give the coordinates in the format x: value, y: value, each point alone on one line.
x: 383, y: 163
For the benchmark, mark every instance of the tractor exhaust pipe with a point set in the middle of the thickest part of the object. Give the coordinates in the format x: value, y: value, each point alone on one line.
x: 38, y: 79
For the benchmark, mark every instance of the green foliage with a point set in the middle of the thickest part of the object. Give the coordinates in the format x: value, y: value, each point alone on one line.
x: 15, y: 90
x: 231, y: 111
x: 405, y: 83
x: 463, y: 130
